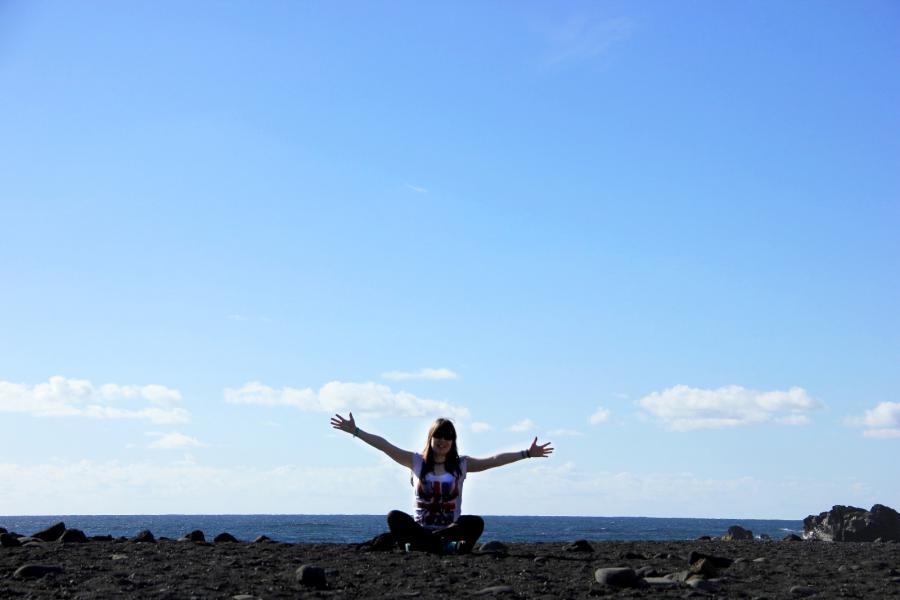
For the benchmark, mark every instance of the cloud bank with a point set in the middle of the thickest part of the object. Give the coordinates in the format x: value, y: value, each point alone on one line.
x: 63, y: 397
x: 339, y: 397
x: 683, y: 408
x: 883, y: 421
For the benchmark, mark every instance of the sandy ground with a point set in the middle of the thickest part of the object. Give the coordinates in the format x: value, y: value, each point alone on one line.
x: 172, y: 569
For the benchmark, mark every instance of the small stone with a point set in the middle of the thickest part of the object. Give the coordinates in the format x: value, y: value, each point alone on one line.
x: 719, y: 562
x: 35, y: 571
x: 52, y: 533
x: 704, y: 538
x: 579, y: 546
x: 803, y: 590
x: 792, y: 537
x: 144, y: 537
x: 119, y: 556
x: 761, y: 559
x: 73, y: 536
x: 225, y: 538
x: 9, y: 541
x: 311, y: 576
x: 540, y: 560
x: 494, y: 590
x: 262, y: 538
x: 632, y: 556
x: 661, y: 582
x: 245, y: 597
x: 704, y: 585
x: 616, y: 576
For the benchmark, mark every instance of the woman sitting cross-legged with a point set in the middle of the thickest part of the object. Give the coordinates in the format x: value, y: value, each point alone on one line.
x: 439, y: 472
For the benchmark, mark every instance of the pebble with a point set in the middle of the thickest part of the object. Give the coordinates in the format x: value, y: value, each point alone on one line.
x: 493, y: 547
x: 803, y: 590
x: 494, y: 590
x: 704, y: 585
x: 661, y: 582
x: 616, y: 576
x: 311, y: 576
x: 245, y: 597
x: 35, y: 571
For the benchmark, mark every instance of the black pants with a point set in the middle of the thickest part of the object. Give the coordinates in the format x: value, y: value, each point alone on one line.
x: 405, y: 530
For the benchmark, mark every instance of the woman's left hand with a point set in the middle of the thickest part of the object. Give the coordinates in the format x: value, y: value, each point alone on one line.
x: 540, y: 451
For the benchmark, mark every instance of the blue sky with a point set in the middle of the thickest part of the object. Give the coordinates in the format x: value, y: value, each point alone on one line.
x: 661, y: 235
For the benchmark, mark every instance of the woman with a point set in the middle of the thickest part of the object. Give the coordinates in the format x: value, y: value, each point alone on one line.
x: 439, y: 472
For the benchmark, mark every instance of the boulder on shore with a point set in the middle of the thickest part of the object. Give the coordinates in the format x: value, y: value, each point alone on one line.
x: 736, y: 532
x: 851, y: 524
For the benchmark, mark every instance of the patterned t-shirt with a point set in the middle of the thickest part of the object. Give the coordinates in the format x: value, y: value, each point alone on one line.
x: 438, y: 497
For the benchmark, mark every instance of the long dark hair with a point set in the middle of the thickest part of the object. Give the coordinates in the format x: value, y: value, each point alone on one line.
x: 445, y: 430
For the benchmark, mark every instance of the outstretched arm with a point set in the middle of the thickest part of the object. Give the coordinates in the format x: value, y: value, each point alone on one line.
x: 535, y: 451
x: 403, y: 457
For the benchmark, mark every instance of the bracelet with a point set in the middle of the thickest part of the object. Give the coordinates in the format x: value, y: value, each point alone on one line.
x: 525, y: 454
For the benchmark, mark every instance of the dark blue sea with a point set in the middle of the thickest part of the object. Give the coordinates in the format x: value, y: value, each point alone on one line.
x: 358, y: 528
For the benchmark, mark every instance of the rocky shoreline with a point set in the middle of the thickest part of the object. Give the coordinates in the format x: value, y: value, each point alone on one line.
x: 75, y: 566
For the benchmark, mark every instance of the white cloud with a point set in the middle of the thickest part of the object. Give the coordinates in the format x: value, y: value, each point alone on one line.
x: 172, y: 440
x: 523, y: 425
x: 793, y: 420
x: 586, y: 38
x: 564, y: 433
x: 683, y: 408
x: 417, y: 189
x: 335, y: 397
x: 883, y: 421
x: 601, y: 415
x: 420, y: 374
x: 62, y: 397
x: 480, y: 426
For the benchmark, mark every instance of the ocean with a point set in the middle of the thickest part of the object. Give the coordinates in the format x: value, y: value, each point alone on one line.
x: 358, y: 528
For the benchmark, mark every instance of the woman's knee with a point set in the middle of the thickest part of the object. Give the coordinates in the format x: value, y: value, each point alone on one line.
x: 397, y: 517
x: 472, y: 522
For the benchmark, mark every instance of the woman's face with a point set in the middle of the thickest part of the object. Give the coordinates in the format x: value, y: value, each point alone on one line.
x: 441, y: 445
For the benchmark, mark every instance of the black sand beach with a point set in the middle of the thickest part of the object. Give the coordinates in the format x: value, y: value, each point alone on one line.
x: 184, y: 569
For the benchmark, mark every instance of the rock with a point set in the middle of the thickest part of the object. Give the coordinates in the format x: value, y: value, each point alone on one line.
x: 3, y: 530
x: 719, y: 562
x: 493, y: 547
x: 245, y: 597
x: 579, y: 546
x: 51, y: 534
x: 703, y: 585
x: 101, y: 538
x: 704, y: 538
x: 792, y: 537
x: 616, y: 576
x: 36, y: 571
x: 383, y: 542
x: 194, y: 536
x: 632, y: 555
x: 851, y: 524
x: 73, y: 536
x: 9, y: 541
x: 540, y: 560
x: 661, y: 582
x: 646, y: 571
x: 736, y: 532
x: 225, y: 538
x: 144, y: 537
x: 801, y: 591
x: 765, y: 537
x: 494, y: 590
x: 704, y: 567
x: 261, y: 539
x: 311, y: 576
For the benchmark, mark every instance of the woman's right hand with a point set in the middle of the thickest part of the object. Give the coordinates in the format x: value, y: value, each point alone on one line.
x: 348, y: 425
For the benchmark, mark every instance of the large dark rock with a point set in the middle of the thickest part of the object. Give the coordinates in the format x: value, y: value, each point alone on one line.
x: 52, y: 533
x: 36, y: 571
x: 311, y: 576
x: 9, y: 541
x: 73, y: 536
x: 225, y: 538
x: 851, y: 524
x: 144, y: 536
x: 736, y: 532
x: 194, y: 536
